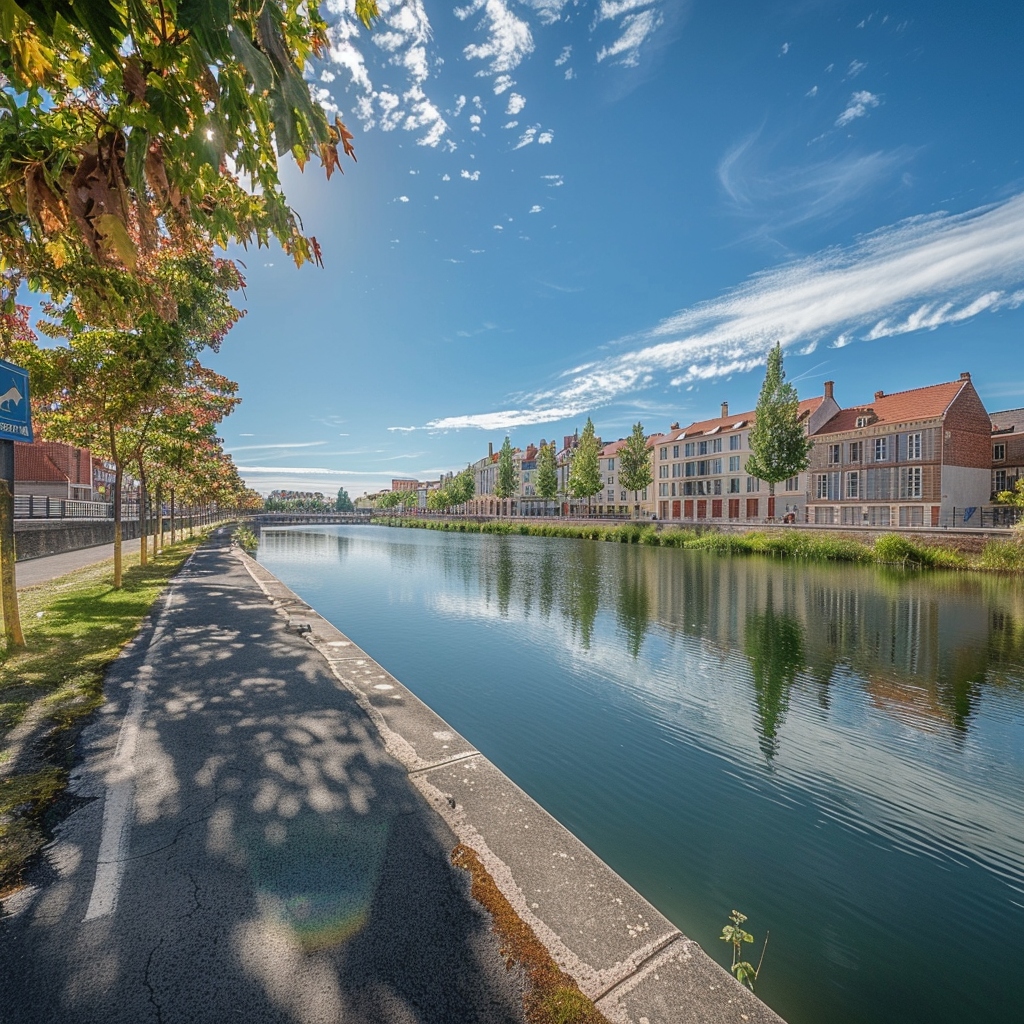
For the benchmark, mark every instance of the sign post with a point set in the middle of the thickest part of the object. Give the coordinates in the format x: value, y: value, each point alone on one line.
x: 15, y: 424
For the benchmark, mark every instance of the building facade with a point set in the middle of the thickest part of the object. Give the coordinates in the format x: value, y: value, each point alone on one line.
x: 54, y: 470
x: 906, y: 459
x: 1007, y: 449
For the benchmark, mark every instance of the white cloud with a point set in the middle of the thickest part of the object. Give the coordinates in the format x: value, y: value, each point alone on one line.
x: 260, y: 447
x: 471, y: 175
x: 855, y: 68
x: 511, y: 124
x: 515, y: 104
x: 569, y: 74
x: 502, y: 84
x: 508, y: 38
x: 785, y: 48
x: 553, y: 179
x: 563, y: 57
x: 403, y: 199
x: 526, y: 138
x: 813, y: 91
x: 548, y: 11
x: 916, y: 275
x: 857, y: 107
x: 545, y: 138
x: 634, y: 31
x: 535, y: 208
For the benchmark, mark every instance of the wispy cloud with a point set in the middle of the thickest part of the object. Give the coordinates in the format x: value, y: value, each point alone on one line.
x: 858, y: 106
x: 261, y: 447
x: 916, y: 275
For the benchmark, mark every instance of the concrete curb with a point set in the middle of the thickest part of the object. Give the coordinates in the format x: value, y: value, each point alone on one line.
x: 626, y: 956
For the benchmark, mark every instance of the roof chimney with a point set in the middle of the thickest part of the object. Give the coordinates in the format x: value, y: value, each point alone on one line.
x: 965, y: 376
x: 879, y: 394
x: 829, y: 385
x: 673, y: 426
x: 725, y: 410
x: 490, y: 449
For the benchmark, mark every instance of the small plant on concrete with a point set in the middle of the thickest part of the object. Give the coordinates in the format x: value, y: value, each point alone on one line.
x: 246, y: 539
x: 734, y: 933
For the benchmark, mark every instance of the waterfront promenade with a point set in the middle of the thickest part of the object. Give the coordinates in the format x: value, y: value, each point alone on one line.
x: 263, y: 829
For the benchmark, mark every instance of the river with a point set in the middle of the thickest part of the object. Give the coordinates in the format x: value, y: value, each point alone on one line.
x: 836, y: 751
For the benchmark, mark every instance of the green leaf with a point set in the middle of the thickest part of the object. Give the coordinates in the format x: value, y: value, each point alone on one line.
x: 135, y: 158
x: 117, y: 238
x: 261, y: 71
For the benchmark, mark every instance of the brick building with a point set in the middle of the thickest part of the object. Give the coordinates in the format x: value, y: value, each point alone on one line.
x: 906, y: 459
x: 53, y: 470
x: 1007, y: 449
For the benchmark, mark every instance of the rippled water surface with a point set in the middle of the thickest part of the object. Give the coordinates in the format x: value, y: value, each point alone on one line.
x: 836, y: 751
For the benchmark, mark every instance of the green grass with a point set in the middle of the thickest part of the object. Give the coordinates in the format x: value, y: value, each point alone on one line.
x: 74, y: 626
x: 889, y: 549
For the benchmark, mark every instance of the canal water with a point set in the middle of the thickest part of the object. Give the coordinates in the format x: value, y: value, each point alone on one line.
x: 835, y: 751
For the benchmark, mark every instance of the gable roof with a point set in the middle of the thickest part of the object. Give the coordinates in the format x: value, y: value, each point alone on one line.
x: 1009, y: 420
x: 917, y: 404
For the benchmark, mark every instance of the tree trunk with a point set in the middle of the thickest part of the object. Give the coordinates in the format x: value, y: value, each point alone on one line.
x: 118, y: 478
x: 158, y: 532
x: 8, y: 582
x: 143, y: 523
x: 173, y: 537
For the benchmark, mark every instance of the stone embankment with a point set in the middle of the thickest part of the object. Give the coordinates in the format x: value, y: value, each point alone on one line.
x: 627, y: 957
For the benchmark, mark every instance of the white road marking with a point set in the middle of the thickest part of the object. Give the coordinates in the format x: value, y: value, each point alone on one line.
x: 119, y: 799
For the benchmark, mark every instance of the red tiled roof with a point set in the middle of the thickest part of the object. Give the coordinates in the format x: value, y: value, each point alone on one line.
x: 916, y: 404
x: 744, y: 419
x: 610, y: 449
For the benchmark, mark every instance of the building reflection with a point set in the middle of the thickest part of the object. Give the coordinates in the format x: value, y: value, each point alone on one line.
x: 924, y: 646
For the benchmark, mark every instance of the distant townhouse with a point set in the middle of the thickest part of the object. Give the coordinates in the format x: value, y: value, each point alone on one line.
x: 906, y: 459
x: 700, y: 470
x: 1007, y: 449
x: 613, y: 498
x: 52, y: 469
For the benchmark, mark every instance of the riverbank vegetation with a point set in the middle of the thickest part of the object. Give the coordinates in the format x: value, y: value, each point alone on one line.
x: 889, y: 549
x: 74, y: 626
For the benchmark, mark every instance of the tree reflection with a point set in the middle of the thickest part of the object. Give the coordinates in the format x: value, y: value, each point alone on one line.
x: 774, y: 643
x: 633, y: 609
x: 580, y: 595
x: 504, y: 576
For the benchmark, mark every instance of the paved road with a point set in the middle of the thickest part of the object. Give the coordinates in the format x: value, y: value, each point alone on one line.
x: 49, y: 567
x: 243, y: 848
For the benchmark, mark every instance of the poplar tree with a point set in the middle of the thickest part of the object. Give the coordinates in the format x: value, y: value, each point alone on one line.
x: 635, y: 463
x: 507, y: 484
x: 779, y: 445
x: 585, y: 473
x: 547, y: 472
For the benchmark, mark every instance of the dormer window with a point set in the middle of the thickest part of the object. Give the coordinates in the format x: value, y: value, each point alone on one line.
x: 862, y: 421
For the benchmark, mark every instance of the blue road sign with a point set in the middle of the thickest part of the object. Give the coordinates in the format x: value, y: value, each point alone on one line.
x: 15, y: 414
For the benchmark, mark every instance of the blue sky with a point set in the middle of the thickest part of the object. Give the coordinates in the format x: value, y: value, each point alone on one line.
x: 615, y: 208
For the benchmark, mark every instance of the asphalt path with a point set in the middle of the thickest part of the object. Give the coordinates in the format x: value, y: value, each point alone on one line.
x: 40, y: 570
x: 242, y: 848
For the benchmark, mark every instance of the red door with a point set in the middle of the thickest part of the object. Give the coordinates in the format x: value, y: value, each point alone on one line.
x: 702, y: 509
x: 688, y: 509
x: 675, y: 509
x: 716, y: 508
x: 771, y: 506
x: 752, y: 507
x: 734, y: 508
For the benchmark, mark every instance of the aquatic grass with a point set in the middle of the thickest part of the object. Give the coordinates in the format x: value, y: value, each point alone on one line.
x: 890, y: 549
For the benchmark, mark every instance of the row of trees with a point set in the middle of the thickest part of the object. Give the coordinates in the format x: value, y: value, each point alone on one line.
x: 778, y: 441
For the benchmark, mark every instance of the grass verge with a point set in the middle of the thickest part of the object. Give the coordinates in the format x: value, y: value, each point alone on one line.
x: 75, y: 626
x: 552, y: 996
x: 889, y: 549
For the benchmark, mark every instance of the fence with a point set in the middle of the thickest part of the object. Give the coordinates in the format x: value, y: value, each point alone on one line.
x: 39, y: 506
x: 985, y: 518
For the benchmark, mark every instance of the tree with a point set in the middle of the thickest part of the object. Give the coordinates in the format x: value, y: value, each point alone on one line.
x: 547, y: 472
x: 779, y: 444
x: 389, y: 499
x: 585, y: 473
x: 635, y: 463
x: 464, y: 486
x: 507, y: 484
x: 343, y: 502
x: 121, y: 123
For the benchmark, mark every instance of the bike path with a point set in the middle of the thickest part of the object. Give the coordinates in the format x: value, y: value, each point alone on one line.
x: 243, y: 847
x: 34, y: 571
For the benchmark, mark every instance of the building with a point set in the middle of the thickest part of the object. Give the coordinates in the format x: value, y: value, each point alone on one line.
x: 699, y: 471
x: 406, y: 485
x: 54, y: 470
x: 1007, y: 449
x: 908, y: 459
x: 614, y: 499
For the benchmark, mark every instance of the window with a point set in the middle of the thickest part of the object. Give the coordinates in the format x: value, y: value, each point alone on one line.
x: 663, y: 472
x: 704, y: 467
x: 1000, y: 480
x: 910, y: 482
x: 862, y: 421
x: 688, y: 450
x: 821, y: 485
x: 675, y: 451
x: 688, y: 487
x: 677, y: 469
x: 853, y: 485
x: 526, y: 478
x: 663, y: 490
x: 702, y: 447
x: 753, y: 484
x: 716, y: 445
x: 663, y: 453
x: 610, y: 481
x: 793, y: 483
x: 622, y: 495
x: 717, y: 487
x: 914, y: 446
x: 734, y: 463
x: 735, y: 442
x: 611, y: 465
x: 998, y: 452
x: 611, y: 497
x: 856, y: 451
x: 881, y: 449
x: 716, y: 466
x: 734, y: 485
x: 691, y: 468
x: 834, y: 454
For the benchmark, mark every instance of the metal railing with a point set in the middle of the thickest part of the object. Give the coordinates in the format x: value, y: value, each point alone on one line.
x: 41, y: 506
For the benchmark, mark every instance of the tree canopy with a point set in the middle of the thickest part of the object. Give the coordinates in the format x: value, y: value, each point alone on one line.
x: 585, y: 473
x: 779, y: 445
x: 635, y: 462
x: 122, y: 123
x: 507, y: 484
x: 546, y: 480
